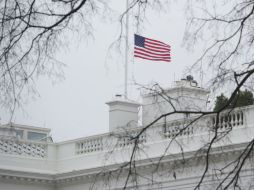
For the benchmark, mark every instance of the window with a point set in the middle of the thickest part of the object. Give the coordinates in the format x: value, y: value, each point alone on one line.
x: 34, y: 136
x: 19, y: 133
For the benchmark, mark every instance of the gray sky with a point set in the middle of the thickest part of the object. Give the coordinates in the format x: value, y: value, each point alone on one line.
x: 75, y: 107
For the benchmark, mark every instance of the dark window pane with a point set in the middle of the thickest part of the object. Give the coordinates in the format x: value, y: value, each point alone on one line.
x: 36, y: 136
x: 19, y: 133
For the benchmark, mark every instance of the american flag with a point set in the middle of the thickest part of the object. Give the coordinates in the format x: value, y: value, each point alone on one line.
x: 150, y: 49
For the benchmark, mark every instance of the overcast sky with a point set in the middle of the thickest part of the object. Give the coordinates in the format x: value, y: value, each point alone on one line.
x: 75, y: 107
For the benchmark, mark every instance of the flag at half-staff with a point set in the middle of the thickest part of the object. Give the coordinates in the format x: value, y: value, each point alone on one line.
x: 150, y: 49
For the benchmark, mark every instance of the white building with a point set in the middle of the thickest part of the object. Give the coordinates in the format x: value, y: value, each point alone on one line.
x: 165, y: 159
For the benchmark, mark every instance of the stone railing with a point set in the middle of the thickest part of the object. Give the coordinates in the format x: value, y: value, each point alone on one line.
x: 125, y: 138
x: 229, y: 120
x: 128, y: 138
x: 176, y: 128
x: 186, y: 127
x: 23, y: 148
x: 89, y: 145
x: 109, y: 141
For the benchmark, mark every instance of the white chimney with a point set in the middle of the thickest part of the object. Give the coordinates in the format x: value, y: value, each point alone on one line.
x: 122, y: 113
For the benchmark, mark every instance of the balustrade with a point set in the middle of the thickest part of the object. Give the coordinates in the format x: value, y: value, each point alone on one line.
x: 122, y: 139
x: 229, y: 120
x: 178, y: 128
x: 31, y: 149
x: 129, y: 139
x: 184, y: 127
x: 96, y: 144
x: 89, y: 145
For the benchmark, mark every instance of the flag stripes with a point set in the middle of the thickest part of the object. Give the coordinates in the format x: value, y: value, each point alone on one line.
x: 151, y: 52
x: 146, y: 48
x: 153, y: 59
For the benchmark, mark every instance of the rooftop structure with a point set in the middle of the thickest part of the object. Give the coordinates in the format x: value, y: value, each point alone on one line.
x: 24, y: 132
x: 166, y: 158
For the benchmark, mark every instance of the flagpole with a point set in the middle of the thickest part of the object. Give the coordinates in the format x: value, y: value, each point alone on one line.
x: 126, y: 49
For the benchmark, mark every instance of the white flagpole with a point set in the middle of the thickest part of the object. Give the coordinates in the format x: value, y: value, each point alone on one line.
x: 126, y: 50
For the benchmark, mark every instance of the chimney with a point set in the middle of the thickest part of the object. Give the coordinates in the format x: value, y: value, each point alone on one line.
x: 122, y: 113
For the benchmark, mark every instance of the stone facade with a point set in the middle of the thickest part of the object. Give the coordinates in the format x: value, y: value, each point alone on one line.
x: 167, y: 157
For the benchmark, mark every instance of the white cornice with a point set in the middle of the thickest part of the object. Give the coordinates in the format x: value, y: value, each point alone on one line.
x: 26, y: 177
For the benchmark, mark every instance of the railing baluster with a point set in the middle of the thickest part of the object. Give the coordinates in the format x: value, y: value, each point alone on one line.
x: 32, y: 149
